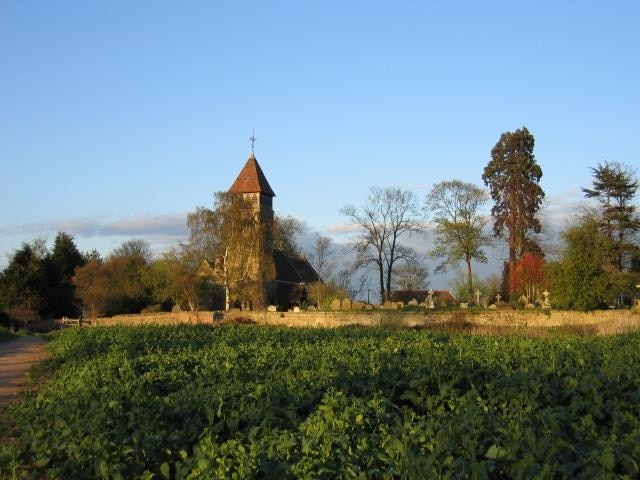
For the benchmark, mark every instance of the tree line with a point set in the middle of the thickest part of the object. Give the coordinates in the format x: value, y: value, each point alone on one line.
x: 41, y: 283
x: 597, y: 264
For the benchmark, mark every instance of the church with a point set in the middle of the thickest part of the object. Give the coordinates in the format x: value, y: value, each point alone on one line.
x: 290, y: 275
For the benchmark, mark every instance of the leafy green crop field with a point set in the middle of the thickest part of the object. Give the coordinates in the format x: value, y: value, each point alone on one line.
x: 258, y: 402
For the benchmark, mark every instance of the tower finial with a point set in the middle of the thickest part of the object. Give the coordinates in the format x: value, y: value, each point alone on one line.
x: 253, y: 139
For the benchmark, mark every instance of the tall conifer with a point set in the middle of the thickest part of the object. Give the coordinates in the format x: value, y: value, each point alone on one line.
x: 513, y: 177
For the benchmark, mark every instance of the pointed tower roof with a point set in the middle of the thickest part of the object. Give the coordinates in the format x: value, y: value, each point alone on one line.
x: 251, y: 179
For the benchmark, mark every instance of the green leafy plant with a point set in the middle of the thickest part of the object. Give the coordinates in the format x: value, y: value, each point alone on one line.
x: 243, y: 401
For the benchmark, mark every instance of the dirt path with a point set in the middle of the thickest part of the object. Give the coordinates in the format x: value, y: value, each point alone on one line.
x: 16, y: 358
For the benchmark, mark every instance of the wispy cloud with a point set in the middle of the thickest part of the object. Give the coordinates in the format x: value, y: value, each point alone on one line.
x: 164, y: 226
x: 562, y: 208
x: 343, y: 229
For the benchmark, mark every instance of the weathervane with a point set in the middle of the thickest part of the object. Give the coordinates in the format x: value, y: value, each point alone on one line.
x: 253, y: 139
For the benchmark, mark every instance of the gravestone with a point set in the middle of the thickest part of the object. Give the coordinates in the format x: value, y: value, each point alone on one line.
x: 272, y: 308
x: 388, y: 305
x: 464, y: 305
x: 399, y: 305
x: 346, y: 304
x: 335, y: 305
x: 413, y: 302
x: 368, y: 307
x: 357, y: 305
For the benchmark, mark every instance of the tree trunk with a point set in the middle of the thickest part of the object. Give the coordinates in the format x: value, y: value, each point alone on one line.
x: 383, y: 297
x: 512, y: 268
x: 389, y: 283
x: 469, y: 275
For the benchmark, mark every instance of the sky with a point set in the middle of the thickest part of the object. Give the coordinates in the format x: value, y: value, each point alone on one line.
x: 117, y: 118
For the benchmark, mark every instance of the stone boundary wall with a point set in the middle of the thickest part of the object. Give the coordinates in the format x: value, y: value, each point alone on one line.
x: 162, y: 318
x: 628, y: 319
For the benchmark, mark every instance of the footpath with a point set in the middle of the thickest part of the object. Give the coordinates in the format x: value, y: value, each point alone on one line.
x: 16, y: 358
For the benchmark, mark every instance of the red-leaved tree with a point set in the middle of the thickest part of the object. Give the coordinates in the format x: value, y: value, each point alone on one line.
x: 528, y: 277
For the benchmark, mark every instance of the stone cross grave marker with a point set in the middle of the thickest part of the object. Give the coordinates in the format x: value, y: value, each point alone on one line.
x: 546, y: 303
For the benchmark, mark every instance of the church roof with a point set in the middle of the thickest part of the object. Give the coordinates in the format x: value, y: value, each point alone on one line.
x: 251, y: 179
x: 290, y: 269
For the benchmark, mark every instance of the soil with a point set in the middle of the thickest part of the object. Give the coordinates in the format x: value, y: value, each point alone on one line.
x: 16, y: 358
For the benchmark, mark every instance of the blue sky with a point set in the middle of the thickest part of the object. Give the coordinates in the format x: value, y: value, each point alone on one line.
x: 117, y: 118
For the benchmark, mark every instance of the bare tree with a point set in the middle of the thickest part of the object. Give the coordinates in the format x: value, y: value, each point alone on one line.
x: 411, y: 275
x: 344, y: 281
x: 320, y: 256
x: 136, y: 247
x: 390, y: 214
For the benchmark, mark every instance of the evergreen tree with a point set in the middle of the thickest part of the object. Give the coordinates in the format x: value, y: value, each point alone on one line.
x: 23, y: 285
x: 579, y: 278
x: 62, y: 263
x: 614, y: 187
x: 513, y: 177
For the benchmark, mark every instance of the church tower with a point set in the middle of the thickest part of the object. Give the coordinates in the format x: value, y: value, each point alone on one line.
x: 253, y: 185
x: 253, y: 271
